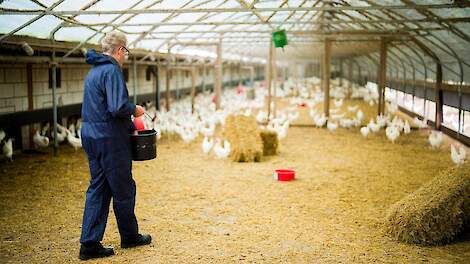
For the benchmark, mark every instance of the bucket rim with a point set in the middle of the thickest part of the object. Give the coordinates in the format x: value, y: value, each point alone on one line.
x: 152, y: 132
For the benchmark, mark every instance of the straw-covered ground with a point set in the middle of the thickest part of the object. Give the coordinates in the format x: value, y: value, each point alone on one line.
x: 200, y: 209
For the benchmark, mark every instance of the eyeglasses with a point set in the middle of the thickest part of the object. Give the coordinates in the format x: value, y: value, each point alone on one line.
x: 127, y: 51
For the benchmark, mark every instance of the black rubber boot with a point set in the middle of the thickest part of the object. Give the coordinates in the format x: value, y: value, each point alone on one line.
x: 94, y: 250
x: 139, y: 240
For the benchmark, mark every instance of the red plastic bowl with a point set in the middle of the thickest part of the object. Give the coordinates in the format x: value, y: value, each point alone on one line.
x: 139, y: 124
x: 284, y: 175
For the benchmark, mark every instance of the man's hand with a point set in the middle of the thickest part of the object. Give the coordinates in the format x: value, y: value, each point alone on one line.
x: 139, y: 110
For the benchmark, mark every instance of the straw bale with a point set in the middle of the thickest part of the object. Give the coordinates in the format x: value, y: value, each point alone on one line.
x: 244, y: 136
x: 434, y: 214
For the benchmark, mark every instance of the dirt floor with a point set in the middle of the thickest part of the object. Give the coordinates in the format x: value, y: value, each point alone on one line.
x: 203, y: 210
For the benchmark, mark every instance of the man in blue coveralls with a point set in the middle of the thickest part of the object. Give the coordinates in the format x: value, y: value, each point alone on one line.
x: 106, y: 114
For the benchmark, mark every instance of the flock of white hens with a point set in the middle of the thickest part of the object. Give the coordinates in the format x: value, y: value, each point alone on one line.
x: 188, y: 126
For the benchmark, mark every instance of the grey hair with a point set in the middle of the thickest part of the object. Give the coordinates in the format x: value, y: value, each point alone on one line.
x: 112, y: 41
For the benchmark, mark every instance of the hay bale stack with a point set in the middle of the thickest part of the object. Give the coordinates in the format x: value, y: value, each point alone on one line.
x: 435, y: 213
x: 270, y: 142
x: 244, y: 136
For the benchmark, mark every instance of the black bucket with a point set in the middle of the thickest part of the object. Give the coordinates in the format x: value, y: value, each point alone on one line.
x: 144, y: 145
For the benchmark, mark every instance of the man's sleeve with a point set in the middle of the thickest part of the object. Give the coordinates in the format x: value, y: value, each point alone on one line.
x: 116, y: 95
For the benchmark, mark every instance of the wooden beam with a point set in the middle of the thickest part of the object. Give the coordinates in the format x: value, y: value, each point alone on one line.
x: 274, y: 77
x: 325, y: 80
x: 340, y: 72
x: 167, y: 94
x: 29, y: 79
x: 193, y: 88
x: 157, y: 87
x: 218, y: 74
x: 439, y: 97
x: 11, y: 11
x: 382, y: 75
x: 268, y: 78
x: 350, y: 74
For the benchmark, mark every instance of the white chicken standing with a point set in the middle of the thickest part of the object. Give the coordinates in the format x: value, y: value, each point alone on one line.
x: 406, y: 127
x: 61, y: 133
x: 208, y: 129
x: 8, y: 149
x: 374, y: 128
x: 320, y: 120
x: 420, y: 123
x: 353, y: 108
x: 222, y: 152
x: 365, y: 131
x: 73, y: 141
x: 359, y: 115
x: 459, y: 155
x: 292, y: 116
x: 392, y: 133
x: 207, y: 145
x: 262, y: 117
x: 392, y: 108
x: 40, y: 141
x: 435, y: 139
x: 338, y: 102
x: 332, y: 126
x: 2, y: 135
x: 281, y: 130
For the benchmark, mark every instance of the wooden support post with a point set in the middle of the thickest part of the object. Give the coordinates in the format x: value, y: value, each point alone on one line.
x: 157, y: 87
x: 382, y: 75
x: 268, y: 78
x: 325, y: 80
x: 203, y: 84
x: 274, y: 77
x: 167, y: 75
x: 193, y: 88
x: 29, y: 79
x: 230, y: 75
x: 134, y: 79
x: 350, y: 74
x: 439, y: 96
x: 218, y: 74
x: 340, y: 72
x: 54, y: 103
x: 240, y: 78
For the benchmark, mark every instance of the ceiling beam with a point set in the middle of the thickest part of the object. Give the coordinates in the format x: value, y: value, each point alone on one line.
x: 9, y: 11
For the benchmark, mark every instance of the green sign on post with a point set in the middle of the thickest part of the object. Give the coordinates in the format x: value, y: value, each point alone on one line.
x: 280, y: 38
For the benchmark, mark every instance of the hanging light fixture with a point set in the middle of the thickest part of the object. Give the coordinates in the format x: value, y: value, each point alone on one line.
x: 27, y: 48
x: 84, y: 51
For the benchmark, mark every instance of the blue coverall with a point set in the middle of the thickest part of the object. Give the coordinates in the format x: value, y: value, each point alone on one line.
x: 106, y: 113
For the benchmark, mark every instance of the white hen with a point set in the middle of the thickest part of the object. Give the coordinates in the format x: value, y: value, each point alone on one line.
x: 420, y: 123
x: 406, y: 127
x: 40, y: 141
x: 332, y: 126
x: 207, y: 145
x: 338, y: 102
x: 392, y: 133
x: 365, y: 131
x: 320, y: 120
x: 208, y: 129
x: 8, y: 149
x: 222, y: 152
x: 435, y: 139
x: 262, y: 117
x: 458, y: 156
x: 374, y: 128
x: 2, y: 135
x: 353, y: 108
x: 73, y: 141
